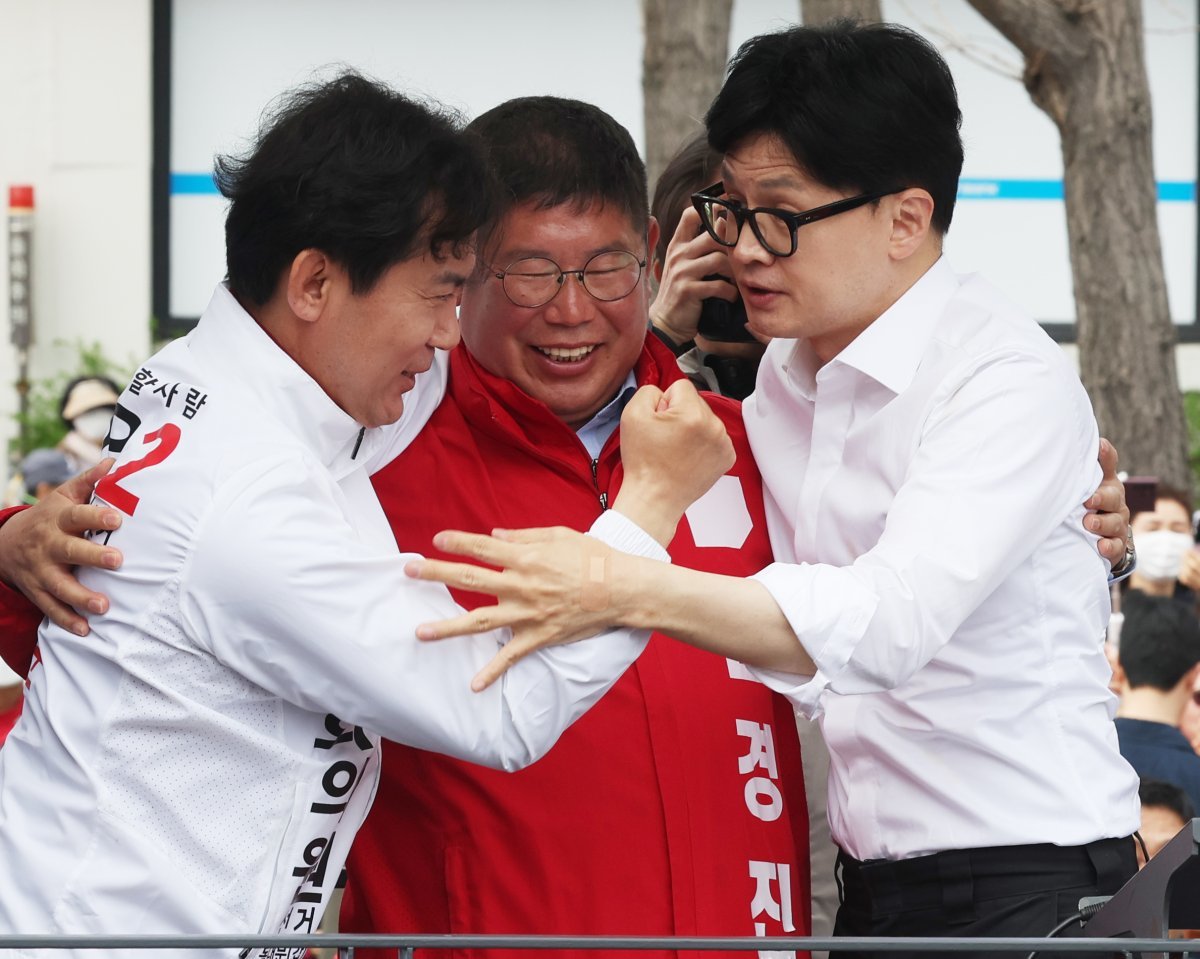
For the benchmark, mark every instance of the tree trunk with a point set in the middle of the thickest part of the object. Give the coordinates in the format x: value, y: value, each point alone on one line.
x: 1085, y: 67
x: 813, y: 12
x: 687, y: 44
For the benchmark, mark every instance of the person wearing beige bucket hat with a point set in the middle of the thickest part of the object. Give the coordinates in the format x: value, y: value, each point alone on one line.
x: 87, y: 407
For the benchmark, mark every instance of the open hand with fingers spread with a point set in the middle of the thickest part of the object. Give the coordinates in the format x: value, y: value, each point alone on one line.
x: 40, y: 546
x: 556, y: 585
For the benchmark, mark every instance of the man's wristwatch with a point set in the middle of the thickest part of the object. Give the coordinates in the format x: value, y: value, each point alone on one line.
x: 1128, y: 562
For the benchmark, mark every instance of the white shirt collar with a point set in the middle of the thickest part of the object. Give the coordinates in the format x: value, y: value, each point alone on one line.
x: 890, y: 349
x: 231, y: 337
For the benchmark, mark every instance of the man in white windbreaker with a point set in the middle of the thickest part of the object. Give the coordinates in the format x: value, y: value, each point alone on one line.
x: 201, y: 761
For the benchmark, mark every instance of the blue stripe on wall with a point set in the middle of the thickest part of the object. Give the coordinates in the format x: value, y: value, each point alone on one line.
x: 1169, y: 191
x: 193, y: 184
x: 975, y: 189
x: 1182, y: 192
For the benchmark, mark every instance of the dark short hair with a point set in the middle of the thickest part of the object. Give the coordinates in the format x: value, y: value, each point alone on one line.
x: 354, y: 169
x: 1160, y: 640
x: 551, y: 151
x: 861, y: 107
x: 1155, y: 792
x: 689, y: 170
x: 1167, y: 492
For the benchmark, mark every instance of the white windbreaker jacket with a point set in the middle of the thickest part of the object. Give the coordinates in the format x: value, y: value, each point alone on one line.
x: 200, y: 762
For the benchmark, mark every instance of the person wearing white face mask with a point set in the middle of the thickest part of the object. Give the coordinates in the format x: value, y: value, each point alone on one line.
x: 1166, y: 549
x: 87, y: 408
x: 1160, y: 556
x: 1168, y: 564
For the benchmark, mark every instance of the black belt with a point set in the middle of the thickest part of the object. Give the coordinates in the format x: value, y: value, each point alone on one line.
x: 952, y: 881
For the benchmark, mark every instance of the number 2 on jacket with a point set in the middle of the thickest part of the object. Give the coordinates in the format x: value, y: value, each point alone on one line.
x: 109, y: 490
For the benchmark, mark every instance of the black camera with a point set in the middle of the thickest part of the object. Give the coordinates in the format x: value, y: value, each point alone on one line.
x: 721, y: 320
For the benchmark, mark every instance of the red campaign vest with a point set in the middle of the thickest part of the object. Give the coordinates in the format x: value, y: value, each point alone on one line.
x: 639, y: 820
x: 8, y: 719
x: 19, y: 620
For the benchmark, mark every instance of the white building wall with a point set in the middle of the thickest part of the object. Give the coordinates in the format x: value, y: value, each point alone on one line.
x: 75, y: 122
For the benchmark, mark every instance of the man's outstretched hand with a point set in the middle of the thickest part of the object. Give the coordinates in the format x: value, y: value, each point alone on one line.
x: 556, y: 585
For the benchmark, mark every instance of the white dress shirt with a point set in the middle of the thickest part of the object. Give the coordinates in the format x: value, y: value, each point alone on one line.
x: 924, y: 493
x: 201, y: 762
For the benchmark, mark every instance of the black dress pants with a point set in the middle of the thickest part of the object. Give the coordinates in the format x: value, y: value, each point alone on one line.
x: 997, y: 891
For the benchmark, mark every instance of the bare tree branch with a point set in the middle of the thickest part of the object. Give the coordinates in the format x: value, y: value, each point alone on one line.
x: 987, y: 52
x: 1085, y: 67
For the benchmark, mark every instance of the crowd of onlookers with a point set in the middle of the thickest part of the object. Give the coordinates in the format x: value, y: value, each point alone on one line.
x: 1154, y: 647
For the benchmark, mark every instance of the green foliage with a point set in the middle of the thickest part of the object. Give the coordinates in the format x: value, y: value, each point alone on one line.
x: 41, y: 425
x: 1191, y: 410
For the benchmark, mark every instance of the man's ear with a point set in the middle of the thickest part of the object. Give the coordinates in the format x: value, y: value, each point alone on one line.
x: 653, y: 231
x: 1190, y: 680
x: 653, y: 265
x: 912, y: 215
x: 309, y: 281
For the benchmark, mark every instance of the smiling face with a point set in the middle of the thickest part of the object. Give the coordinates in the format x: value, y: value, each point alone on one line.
x: 847, y: 269
x: 368, y: 347
x: 574, y: 352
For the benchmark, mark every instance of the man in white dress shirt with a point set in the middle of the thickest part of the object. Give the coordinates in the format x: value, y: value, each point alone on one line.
x: 956, y: 665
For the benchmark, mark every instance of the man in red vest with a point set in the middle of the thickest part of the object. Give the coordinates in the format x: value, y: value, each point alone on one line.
x: 677, y: 806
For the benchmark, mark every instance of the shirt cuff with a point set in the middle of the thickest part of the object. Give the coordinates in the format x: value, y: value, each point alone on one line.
x: 620, y: 532
x: 826, y: 607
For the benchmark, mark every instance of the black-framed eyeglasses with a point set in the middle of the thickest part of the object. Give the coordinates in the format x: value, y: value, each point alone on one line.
x: 534, y: 281
x: 774, y: 229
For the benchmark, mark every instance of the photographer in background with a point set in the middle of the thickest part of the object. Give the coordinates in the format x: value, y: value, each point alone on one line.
x: 697, y: 311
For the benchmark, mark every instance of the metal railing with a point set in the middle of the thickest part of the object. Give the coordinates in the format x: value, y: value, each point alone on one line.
x: 345, y: 945
x: 1167, y: 889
